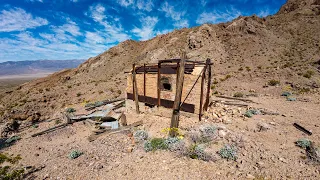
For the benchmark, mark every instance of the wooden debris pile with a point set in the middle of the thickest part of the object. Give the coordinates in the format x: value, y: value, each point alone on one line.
x: 101, y: 117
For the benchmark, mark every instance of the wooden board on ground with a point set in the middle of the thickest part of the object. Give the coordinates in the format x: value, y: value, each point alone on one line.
x: 93, y: 137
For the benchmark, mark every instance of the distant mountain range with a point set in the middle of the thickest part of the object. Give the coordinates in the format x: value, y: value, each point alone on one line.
x: 37, y: 66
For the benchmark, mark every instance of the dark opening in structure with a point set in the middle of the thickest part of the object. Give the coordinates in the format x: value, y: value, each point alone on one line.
x: 149, y: 105
x: 165, y: 84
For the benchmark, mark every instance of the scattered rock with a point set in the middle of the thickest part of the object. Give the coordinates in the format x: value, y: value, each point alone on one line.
x: 263, y: 126
x: 249, y: 176
x: 222, y: 133
x: 283, y: 160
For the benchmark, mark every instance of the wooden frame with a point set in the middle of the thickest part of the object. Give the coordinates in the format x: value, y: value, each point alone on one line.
x: 167, y: 68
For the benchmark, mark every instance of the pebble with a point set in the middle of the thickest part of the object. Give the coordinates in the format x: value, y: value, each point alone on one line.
x: 272, y: 123
x: 249, y: 176
x: 263, y: 126
x: 283, y: 160
x: 222, y: 133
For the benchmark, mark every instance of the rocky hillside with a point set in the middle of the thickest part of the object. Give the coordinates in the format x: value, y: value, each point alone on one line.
x: 247, y: 53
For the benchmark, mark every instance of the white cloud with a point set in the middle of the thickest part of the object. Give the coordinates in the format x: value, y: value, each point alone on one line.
x: 113, y: 32
x: 17, y: 19
x: 96, y: 12
x: 94, y: 37
x: 146, y: 5
x: 125, y: 3
x: 264, y: 13
x: 218, y: 16
x: 171, y: 12
x: 147, y: 29
x: 177, y: 16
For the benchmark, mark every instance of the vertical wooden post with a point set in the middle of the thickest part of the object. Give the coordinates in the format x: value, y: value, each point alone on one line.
x: 176, y: 105
x: 144, y: 82
x: 206, y: 104
x: 159, y: 79
x: 135, y: 88
x: 201, y: 93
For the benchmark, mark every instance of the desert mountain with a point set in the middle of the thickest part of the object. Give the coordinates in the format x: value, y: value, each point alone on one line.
x: 37, y: 66
x: 250, y: 50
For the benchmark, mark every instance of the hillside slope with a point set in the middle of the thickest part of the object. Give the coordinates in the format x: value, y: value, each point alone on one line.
x: 252, y: 50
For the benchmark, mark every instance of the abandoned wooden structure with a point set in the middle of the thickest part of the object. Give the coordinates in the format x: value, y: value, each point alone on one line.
x: 155, y: 85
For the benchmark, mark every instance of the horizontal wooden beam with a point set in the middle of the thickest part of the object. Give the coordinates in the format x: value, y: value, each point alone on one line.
x: 164, y: 102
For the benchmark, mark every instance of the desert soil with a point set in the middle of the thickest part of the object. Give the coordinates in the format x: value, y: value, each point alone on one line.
x: 270, y: 154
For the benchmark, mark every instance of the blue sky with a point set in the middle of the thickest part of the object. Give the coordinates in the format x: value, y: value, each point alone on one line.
x: 79, y: 29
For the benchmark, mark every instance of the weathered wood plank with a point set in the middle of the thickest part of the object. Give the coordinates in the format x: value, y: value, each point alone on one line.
x: 186, y: 107
x: 201, y: 93
x: 158, y: 84
x: 206, y: 104
x: 176, y: 105
x: 135, y: 88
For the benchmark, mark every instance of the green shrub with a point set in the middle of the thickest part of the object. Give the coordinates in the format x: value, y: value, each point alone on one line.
x: 57, y: 121
x: 238, y: 94
x: 155, y: 144
x: 291, y: 99
x: 75, y: 154
x: 7, y: 172
x: 228, y: 152
x: 197, y: 151
x: 240, y: 69
x: 287, y: 94
x: 273, y: 82
x: 12, y: 139
x: 141, y: 135
x: 308, y: 74
x: 249, y: 113
x: 303, y: 143
x: 70, y: 110
x: 206, y: 133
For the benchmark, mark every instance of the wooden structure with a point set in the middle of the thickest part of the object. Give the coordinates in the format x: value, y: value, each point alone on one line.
x: 155, y: 85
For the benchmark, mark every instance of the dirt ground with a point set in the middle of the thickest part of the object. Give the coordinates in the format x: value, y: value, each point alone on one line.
x: 269, y: 154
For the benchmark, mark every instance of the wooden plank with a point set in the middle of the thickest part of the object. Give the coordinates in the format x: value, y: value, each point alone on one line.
x: 239, y: 99
x: 201, y: 93
x: 206, y: 104
x: 158, y: 84
x: 144, y: 82
x: 164, y: 102
x: 135, y: 92
x: 165, y: 69
x: 50, y: 130
x: 177, y: 100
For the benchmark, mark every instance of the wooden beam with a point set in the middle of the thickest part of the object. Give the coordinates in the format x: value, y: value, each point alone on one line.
x: 144, y: 82
x: 158, y: 84
x: 176, y: 105
x: 206, y: 104
x: 201, y: 93
x: 135, y: 88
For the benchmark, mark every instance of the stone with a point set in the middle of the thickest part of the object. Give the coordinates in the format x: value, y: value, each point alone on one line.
x: 283, y: 160
x: 263, y: 126
x: 249, y: 176
x: 272, y: 123
x: 222, y: 133
x: 130, y: 149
